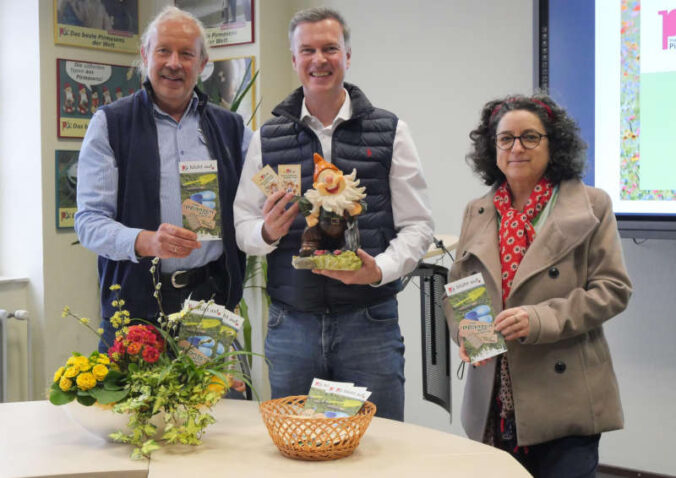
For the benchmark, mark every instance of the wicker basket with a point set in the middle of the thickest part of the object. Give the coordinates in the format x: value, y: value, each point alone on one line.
x: 313, y: 438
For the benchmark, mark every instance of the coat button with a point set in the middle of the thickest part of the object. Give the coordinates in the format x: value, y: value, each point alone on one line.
x: 560, y: 367
x: 481, y: 210
x: 553, y: 273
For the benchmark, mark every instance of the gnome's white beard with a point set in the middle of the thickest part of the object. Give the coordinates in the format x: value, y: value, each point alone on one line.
x: 339, y: 202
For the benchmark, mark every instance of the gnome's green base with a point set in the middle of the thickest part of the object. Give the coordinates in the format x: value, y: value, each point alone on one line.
x: 343, y: 261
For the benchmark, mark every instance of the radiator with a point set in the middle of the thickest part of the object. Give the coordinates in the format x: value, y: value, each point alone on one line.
x: 5, y: 317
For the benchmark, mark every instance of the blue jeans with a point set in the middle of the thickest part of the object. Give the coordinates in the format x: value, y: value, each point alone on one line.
x: 363, y: 346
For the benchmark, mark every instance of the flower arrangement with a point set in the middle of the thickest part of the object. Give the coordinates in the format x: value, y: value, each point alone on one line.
x: 145, y: 373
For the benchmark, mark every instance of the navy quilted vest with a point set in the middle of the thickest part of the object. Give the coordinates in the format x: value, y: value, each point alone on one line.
x: 364, y: 143
x: 133, y: 137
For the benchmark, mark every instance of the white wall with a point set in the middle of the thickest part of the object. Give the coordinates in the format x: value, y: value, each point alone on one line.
x: 21, y: 194
x: 642, y: 345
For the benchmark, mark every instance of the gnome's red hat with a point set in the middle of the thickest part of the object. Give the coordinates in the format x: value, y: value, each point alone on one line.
x: 321, y: 164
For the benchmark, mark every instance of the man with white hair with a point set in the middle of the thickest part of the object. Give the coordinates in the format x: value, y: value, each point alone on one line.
x: 335, y: 325
x: 129, y: 201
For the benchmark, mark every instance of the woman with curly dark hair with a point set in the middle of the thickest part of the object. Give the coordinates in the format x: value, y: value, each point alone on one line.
x: 548, y: 249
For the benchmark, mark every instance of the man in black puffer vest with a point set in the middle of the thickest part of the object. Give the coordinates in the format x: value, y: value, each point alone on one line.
x: 335, y: 325
x: 128, y: 194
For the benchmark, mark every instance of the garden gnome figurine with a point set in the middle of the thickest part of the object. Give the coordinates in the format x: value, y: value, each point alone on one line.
x: 330, y: 210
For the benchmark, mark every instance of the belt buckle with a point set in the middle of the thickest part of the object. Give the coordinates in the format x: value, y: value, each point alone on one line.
x: 174, y: 275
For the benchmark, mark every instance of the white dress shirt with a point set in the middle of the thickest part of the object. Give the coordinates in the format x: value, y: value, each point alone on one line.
x: 410, y: 203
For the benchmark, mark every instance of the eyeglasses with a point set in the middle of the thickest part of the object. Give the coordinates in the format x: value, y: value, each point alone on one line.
x: 529, y: 140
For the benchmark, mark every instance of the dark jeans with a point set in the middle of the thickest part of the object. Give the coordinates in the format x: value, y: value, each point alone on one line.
x: 567, y: 457
x: 363, y: 346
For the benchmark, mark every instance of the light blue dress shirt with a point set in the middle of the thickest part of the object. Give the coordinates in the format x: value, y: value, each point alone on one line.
x: 97, y: 187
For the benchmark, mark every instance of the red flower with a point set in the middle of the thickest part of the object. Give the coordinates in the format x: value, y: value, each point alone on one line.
x: 116, y: 351
x: 134, y: 348
x: 150, y: 354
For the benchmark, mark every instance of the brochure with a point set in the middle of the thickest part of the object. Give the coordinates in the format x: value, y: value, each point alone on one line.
x: 475, y: 316
x: 207, y: 330
x: 289, y: 176
x: 267, y: 180
x: 199, y: 199
x: 329, y: 399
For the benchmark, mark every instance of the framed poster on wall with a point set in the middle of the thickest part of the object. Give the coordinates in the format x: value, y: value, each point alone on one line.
x: 225, y: 80
x: 227, y: 22
x: 66, y: 187
x: 84, y: 86
x: 101, y: 24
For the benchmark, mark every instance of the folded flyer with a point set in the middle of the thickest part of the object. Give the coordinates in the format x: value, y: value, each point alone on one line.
x: 207, y: 330
x: 200, y: 205
x: 475, y: 318
x: 328, y: 399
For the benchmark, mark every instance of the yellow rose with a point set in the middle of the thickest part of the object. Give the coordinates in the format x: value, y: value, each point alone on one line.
x: 65, y: 384
x: 71, y: 372
x: 100, y: 372
x: 216, y: 385
x: 58, y: 373
x: 103, y: 359
x: 82, y: 363
x: 70, y: 361
x: 85, y: 381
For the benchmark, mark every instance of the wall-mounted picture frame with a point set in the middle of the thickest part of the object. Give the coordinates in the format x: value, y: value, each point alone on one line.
x: 66, y: 188
x: 227, y: 22
x: 82, y: 87
x: 100, y: 24
x: 225, y: 80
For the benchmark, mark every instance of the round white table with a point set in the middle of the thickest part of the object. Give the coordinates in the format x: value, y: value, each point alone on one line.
x: 40, y: 440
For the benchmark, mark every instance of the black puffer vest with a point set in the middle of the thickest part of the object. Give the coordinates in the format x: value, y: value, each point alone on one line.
x: 364, y: 142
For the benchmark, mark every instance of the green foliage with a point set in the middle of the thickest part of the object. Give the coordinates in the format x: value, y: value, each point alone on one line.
x: 256, y: 272
x: 141, y: 385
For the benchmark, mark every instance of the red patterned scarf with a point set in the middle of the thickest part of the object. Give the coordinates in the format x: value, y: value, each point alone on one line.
x: 516, y: 229
x: 516, y: 234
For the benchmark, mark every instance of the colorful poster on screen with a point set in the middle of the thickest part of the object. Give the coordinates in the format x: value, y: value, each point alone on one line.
x: 648, y: 100
x: 227, y: 22
x: 66, y: 186
x: 83, y: 87
x: 101, y: 24
x: 224, y: 80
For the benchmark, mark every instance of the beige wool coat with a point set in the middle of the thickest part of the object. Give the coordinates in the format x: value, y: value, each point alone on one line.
x: 571, y: 280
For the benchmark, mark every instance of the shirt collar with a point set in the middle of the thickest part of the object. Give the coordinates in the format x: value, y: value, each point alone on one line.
x: 192, y: 107
x: 344, y: 113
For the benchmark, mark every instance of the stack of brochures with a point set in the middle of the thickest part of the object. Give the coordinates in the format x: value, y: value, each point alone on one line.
x: 334, y: 399
x: 207, y: 330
